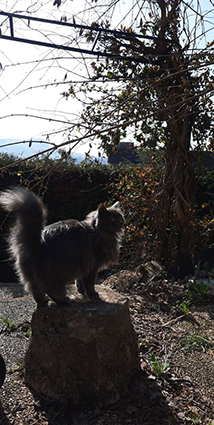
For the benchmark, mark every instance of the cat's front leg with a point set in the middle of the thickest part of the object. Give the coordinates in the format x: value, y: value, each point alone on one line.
x: 80, y: 286
x: 39, y: 296
x: 58, y: 294
x: 89, y: 283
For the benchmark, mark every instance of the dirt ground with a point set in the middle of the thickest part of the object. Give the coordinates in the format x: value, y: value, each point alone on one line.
x: 175, y: 334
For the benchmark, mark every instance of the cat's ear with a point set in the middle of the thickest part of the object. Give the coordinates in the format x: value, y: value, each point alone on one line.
x: 102, y: 209
x: 116, y: 205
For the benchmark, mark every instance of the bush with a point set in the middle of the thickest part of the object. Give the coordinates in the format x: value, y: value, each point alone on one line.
x: 137, y: 187
x: 71, y: 191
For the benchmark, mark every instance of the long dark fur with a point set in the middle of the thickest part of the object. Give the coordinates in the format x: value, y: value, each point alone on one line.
x: 49, y: 257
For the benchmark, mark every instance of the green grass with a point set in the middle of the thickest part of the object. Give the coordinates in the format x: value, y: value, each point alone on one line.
x: 196, y: 342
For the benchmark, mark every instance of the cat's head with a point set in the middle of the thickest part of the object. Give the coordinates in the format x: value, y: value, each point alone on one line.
x: 109, y: 219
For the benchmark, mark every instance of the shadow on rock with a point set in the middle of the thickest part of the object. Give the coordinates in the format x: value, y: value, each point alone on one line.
x: 3, y: 418
x: 143, y: 404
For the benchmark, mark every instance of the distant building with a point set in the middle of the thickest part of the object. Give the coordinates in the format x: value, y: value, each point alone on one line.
x: 125, y: 153
x: 203, y: 159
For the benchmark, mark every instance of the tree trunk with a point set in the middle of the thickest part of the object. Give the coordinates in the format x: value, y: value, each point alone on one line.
x: 176, y: 199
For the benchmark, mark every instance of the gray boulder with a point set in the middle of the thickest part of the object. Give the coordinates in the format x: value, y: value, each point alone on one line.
x: 83, y: 353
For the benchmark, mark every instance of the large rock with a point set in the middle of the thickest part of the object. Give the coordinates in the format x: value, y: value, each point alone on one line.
x: 84, y: 353
x: 2, y: 370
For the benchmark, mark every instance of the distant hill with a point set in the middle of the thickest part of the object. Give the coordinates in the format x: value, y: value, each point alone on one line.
x: 20, y: 148
x: 25, y: 149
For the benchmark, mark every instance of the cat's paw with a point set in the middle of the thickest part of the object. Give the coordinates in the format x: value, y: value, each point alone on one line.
x: 66, y: 301
x: 80, y: 287
x: 42, y: 302
x: 94, y: 296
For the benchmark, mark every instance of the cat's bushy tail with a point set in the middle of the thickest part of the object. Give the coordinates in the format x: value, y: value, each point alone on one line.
x: 29, y: 213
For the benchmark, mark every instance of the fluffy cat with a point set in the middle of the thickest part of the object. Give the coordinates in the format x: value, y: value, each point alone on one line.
x: 49, y: 257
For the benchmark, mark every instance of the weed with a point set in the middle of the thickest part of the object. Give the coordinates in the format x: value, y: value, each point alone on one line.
x: 196, y: 342
x: 198, y: 291
x: 11, y: 369
x: 9, y: 326
x: 19, y: 367
x: 27, y: 333
x: 193, y: 417
x: 159, y: 368
x: 185, y: 309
